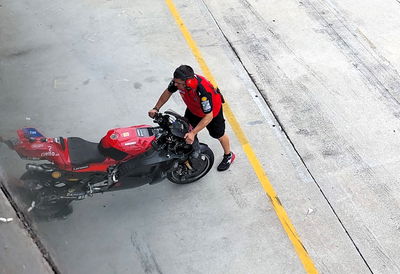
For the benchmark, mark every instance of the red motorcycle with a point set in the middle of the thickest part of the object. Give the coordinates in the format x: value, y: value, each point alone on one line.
x: 124, y: 158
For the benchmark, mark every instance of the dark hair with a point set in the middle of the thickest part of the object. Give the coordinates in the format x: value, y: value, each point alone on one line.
x: 184, y: 72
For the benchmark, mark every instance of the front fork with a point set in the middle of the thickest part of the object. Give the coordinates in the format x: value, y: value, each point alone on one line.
x: 188, y: 165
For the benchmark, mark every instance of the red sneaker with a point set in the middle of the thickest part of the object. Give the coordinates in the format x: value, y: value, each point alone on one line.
x: 226, y: 161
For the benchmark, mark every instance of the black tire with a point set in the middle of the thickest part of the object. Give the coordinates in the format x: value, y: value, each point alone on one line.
x: 201, y: 166
x: 30, y: 192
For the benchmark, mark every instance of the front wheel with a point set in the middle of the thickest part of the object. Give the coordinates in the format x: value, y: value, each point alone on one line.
x: 193, y: 169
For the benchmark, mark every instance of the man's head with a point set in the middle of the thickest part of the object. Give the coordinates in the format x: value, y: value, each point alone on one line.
x: 183, y: 72
x: 184, y: 78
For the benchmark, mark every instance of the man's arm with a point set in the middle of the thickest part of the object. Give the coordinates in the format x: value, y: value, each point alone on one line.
x: 189, y: 137
x: 161, y: 101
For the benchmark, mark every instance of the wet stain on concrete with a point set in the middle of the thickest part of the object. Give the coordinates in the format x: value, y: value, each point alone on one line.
x: 329, y: 153
x: 305, y: 132
x: 253, y: 123
x: 137, y: 85
x: 19, y: 53
x: 12, y: 53
x: 308, y: 157
x: 396, y: 114
x: 150, y: 79
x: 86, y: 82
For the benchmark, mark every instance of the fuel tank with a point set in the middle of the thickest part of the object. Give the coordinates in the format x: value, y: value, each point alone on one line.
x: 128, y: 142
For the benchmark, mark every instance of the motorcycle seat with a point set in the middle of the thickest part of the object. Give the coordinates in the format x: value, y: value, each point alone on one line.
x: 82, y: 152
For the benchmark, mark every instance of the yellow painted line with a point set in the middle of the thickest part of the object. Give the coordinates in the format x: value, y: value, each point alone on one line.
x: 255, y: 163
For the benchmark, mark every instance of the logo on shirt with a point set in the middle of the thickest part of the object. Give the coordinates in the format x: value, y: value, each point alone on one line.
x: 205, y: 103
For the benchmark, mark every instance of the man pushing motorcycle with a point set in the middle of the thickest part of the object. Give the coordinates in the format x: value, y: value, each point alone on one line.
x: 204, y: 108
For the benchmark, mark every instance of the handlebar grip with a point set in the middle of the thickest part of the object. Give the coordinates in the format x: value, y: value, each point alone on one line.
x: 156, y: 117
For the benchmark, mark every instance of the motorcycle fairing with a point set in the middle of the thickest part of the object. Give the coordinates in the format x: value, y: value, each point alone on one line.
x: 152, y: 162
x: 124, y: 143
x: 33, y: 145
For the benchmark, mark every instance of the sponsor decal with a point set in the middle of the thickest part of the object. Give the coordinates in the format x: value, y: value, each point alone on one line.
x: 81, y: 167
x: 130, y: 143
x: 203, y: 99
x: 37, y: 145
x: 125, y: 134
x: 49, y: 153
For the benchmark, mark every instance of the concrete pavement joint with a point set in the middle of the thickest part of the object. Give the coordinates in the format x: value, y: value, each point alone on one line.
x: 288, y: 138
x: 27, y: 226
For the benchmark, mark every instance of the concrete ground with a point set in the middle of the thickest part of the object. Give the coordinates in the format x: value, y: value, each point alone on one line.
x: 19, y: 252
x: 313, y: 84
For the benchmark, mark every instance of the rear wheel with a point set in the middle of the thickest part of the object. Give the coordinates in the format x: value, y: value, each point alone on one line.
x: 193, y: 169
x: 44, y: 200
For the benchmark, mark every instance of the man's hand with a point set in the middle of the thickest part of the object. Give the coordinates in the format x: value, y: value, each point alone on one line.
x: 189, y: 137
x: 152, y: 112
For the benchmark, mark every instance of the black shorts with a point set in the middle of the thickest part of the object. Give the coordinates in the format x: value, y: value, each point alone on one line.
x: 216, y: 128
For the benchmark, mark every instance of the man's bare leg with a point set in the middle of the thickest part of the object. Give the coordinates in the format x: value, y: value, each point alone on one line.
x: 224, y: 140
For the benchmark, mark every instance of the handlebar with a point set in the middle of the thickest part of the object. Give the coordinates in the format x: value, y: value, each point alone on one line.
x: 177, y: 126
x: 161, y: 119
x: 173, y: 123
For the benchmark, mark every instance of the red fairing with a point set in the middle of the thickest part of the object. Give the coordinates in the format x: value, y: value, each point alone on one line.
x: 41, y: 147
x: 131, y: 140
x: 56, y: 150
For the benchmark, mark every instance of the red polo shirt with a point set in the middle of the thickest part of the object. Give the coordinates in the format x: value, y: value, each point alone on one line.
x: 201, y: 101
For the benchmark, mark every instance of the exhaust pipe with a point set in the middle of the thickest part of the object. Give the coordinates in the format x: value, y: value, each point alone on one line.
x: 40, y: 168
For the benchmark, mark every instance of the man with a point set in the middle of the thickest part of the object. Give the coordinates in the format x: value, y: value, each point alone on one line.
x: 204, y: 108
